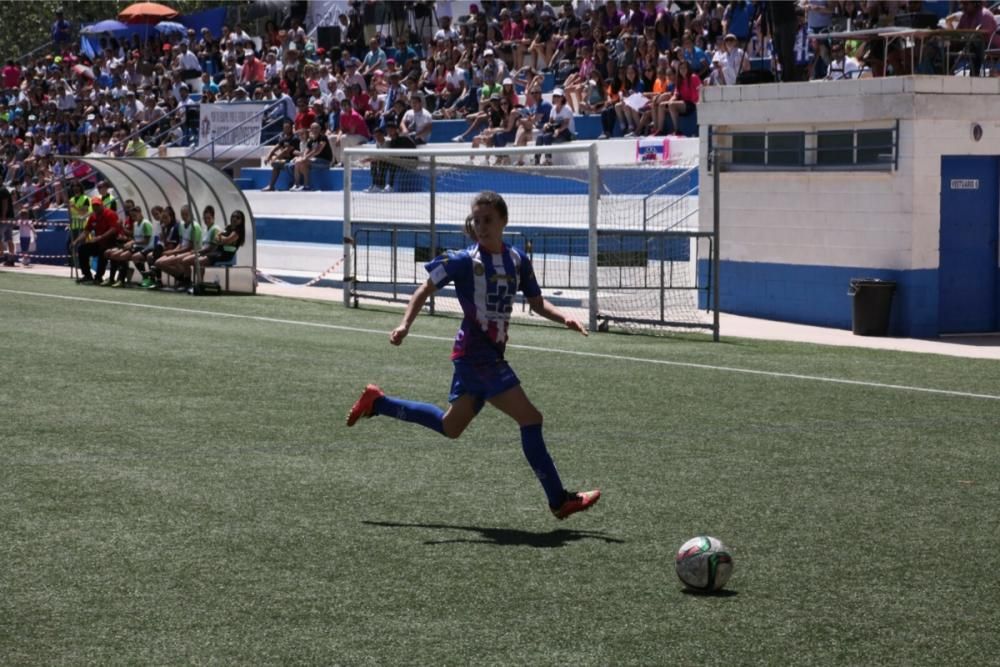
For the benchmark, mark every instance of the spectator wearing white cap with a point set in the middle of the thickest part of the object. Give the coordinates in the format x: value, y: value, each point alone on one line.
x: 132, y: 107
x: 493, y: 65
x: 559, y: 128
x: 508, y: 92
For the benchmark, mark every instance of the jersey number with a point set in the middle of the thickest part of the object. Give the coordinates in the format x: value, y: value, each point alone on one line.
x: 500, y: 301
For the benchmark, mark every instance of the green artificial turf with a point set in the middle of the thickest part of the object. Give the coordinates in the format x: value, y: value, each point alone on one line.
x: 178, y: 487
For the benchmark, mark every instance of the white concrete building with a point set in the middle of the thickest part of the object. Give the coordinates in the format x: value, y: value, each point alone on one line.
x: 891, y: 178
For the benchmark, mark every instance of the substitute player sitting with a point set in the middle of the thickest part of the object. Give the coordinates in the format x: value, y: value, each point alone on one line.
x: 193, y: 263
x: 141, y: 231
x: 189, y: 235
x: 487, y: 276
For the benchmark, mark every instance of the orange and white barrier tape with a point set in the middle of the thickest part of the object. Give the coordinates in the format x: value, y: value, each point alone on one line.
x: 278, y: 281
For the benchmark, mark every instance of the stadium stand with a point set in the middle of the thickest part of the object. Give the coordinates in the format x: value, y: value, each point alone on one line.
x: 124, y: 91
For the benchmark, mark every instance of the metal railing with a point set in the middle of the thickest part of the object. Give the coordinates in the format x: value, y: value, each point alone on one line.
x: 686, y: 174
x: 273, y: 123
x: 44, y: 48
x: 210, y: 145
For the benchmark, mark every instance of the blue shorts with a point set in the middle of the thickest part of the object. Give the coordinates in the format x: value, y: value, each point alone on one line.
x: 482, y: 381
x: 501, y: 139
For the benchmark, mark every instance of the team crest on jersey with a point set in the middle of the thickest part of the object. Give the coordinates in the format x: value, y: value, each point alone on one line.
x: 478, y: 269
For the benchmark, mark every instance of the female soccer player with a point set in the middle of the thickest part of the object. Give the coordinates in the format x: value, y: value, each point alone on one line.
x: 487, y: 275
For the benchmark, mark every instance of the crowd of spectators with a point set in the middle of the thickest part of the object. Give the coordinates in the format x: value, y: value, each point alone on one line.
x: 639, y: 65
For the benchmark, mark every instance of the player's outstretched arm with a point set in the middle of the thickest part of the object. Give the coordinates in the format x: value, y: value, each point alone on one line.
x: 550, y: 312
x: 413, y: 309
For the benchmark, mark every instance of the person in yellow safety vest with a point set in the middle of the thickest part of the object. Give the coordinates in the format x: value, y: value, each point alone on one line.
x: 137, y: 147
x: 79, y: 212
x: 106, y: 197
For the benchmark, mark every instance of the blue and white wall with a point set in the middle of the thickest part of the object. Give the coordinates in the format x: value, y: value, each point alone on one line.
x: 792, y: 240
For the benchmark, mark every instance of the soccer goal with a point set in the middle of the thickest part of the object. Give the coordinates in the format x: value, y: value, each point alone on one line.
x: 619, y: 246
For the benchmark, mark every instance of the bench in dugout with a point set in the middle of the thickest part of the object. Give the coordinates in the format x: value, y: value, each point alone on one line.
x: 230, y: 276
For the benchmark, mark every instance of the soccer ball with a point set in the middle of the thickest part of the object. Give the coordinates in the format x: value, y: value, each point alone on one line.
x: 704, y: 564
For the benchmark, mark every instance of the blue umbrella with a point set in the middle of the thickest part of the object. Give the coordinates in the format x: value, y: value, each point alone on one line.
x: 101, y: 27
x: 167, y: 27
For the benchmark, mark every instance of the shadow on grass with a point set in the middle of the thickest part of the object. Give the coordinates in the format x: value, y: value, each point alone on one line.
x: 507, y: 537
x: 724, y: 593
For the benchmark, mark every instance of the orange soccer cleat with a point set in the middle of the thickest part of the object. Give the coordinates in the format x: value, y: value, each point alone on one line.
x: 364, y: 406
x: 576, y: 501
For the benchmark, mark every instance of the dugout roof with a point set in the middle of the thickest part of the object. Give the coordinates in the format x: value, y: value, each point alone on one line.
x: 177, y: 181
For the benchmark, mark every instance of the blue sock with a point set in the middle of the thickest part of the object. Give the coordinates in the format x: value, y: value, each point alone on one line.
x: 538, y: 458
x: 425, y: 414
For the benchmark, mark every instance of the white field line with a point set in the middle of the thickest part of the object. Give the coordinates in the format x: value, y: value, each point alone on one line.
x: 531, y: 348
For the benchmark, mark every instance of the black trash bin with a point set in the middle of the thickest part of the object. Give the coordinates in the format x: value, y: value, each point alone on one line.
x: 871, y: 305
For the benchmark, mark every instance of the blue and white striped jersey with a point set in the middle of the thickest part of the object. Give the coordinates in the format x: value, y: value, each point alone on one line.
x: 485, y: 285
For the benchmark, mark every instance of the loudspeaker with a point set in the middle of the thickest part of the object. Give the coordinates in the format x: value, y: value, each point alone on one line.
x: 328, y: 37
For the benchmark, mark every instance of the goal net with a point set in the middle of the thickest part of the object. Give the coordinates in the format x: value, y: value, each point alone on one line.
x: 617, y: 246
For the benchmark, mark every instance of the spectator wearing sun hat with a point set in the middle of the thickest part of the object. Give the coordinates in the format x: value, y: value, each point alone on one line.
x: 351, y: 74
x: 728, y: 62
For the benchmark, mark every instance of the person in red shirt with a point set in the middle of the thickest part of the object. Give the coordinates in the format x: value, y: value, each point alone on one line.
x: 360, y: 100
x: 686, y: 94
x: 11, y: 76
x: 305, y: 117
x: 353, y: 131
x: 252, y: 72
x: 102, y: 229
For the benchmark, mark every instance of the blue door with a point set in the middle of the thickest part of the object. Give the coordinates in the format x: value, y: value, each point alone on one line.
x: 968, y: 273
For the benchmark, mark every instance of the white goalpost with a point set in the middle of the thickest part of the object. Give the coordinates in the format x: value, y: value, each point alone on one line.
x: 617, y: 245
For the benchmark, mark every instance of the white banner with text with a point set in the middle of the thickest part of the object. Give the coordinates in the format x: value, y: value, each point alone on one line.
x: 231, y: 124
